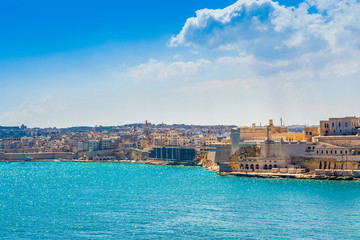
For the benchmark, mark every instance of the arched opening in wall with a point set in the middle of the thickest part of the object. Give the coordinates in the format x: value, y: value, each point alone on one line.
x: 322, y: 151
x: 257, y: 166
x: 329, y: 166
x: 345, y: 151
x: 320, y: 165
x: 335, y: 166
x: 252, y: 166
x: 270, y: 166
x: 317, y: 151
x: 335, y: 152
x: 246, y: 166
x: 265, y: 166
x: 241, y: 166
x: 275, y: 166
x: 342, y: 166
x: 331, y: 152
x: 341, y: 152
x: 325, y: 165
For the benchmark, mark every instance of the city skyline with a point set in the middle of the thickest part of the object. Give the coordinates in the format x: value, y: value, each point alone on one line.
x: 66, y: 64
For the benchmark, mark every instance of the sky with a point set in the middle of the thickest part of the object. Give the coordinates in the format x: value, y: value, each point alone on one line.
x: 85, y: 63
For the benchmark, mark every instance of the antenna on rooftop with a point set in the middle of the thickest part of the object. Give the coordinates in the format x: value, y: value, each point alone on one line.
x: 281, y: 123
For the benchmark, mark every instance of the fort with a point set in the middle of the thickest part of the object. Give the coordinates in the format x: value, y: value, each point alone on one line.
x: 331, y: 152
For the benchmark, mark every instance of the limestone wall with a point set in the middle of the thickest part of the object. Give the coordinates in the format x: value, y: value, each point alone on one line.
x: 283, y: 150
x: 329, y: 163
x: 222, y: 154
x: 344, y: 141
x: 36, y: 156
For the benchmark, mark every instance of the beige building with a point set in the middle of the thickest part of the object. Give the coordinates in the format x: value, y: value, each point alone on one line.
x: 266, y: 155
x: 260, y: 134
x: 311, y: 132
x: 158, y: 139
x: 327, y: 156
x: 172, y: 138
x: 339, y: 126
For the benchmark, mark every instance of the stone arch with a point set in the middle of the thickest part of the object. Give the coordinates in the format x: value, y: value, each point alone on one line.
x: 252, y: 166
x: 275, y: 166
x: 265, y: 166
x: 241, y: 166
x: 325, y: 165
x: 320, y: 165
x: 246, y: 166
x: 257, y: 166
x: 270, y: 166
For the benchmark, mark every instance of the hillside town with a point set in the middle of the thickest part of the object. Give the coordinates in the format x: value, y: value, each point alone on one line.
x: 330, y: 149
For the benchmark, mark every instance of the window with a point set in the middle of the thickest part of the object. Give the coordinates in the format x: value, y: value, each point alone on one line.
x: 310, y: 133
x: 333, y: 125
x: 346, y: 124
x: 339, y: 124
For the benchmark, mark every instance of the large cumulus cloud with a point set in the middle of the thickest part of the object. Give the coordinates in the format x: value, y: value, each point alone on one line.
x: 267, y: 29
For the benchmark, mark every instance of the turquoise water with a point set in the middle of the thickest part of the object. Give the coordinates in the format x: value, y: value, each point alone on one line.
x: 59, y: 200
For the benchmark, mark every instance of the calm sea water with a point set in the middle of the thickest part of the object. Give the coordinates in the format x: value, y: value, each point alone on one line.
x: 58, y: 200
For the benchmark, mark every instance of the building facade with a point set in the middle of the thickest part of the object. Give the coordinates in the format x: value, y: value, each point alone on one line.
x: 339, y: 126
x: 176, y: 154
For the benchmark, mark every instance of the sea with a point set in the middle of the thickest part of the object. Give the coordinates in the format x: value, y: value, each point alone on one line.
x: 73, y: 200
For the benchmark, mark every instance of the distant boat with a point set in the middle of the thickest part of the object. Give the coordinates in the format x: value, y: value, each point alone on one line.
x: 28, y: 159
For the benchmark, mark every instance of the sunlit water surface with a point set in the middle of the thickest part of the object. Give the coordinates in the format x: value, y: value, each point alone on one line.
x: 59, y: 200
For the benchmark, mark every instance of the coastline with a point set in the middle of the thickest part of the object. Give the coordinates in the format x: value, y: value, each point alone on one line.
x: 149, y: 162
x: 308, y: 176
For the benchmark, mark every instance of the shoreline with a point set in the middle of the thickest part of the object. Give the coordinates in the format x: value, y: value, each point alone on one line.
x: 287, y: 176
x: 149, y: 162
x: 306, y: 176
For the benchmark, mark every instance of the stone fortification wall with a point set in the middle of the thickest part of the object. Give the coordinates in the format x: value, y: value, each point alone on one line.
x: 211, y: 156
x: 223, y: 154
x: 35, y: 156
x: 283, y: 150
x: 325, y: 163
x: 344, y: 141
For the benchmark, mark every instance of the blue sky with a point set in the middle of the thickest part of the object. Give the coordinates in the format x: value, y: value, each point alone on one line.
x: 197, y: 62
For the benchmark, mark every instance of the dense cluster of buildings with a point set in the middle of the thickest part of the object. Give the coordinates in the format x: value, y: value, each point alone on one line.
x: 334, y: 144
x: 146, y: 140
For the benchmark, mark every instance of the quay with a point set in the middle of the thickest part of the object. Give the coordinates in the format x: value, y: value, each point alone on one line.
x: 278, y: 175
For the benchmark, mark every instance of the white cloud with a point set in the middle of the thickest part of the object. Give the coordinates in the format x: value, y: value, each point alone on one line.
x: 267, y: 29
x: 160, y: 71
